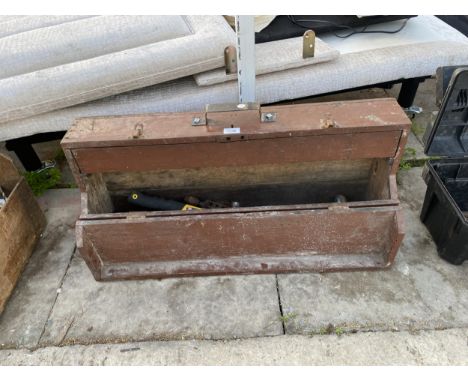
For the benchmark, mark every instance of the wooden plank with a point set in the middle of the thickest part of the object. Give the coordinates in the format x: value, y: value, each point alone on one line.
x: 323, y: 231
x: 21, y: 224
x: 74, y: 169
x: 383, y: 114
x: 400, y: 152
x: 378, y: 180
x: 397, y: 235
x: 295, y: 207
x: 240, y: 153
x: 98, y: 198
x: 9, y: 175
x: 306, y: 262
x: 254, y: 174
x: 211, y: 239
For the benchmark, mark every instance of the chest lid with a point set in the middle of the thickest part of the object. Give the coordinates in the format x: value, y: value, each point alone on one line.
x: 448, y: 136
x: 232, y: 123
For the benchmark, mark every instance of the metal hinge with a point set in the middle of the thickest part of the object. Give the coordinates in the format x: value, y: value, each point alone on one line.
x: 268, y: 117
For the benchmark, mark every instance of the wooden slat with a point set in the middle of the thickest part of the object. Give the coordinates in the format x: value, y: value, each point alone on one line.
x: 240, y: 153
x: 21, y: 224
x: 378, y: 180
x: 236, y: 176
x: 213, y: 238
x: 9, y: 175
x: 98, y: 198
x: 383, y: 114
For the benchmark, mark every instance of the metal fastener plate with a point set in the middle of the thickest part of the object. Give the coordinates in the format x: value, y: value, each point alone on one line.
x: 268, y: 117
x: 198, y: 121
x: 308, y: 44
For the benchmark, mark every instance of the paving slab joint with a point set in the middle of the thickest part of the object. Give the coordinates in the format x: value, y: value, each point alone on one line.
x: 55, y: 300
x: 280, y: 305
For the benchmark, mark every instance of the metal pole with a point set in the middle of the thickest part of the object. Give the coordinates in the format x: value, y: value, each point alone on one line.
x: 245, y: 31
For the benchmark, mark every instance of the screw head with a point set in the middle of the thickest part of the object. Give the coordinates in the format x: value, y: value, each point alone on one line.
x: 268, y: 116
x: 196, y: 120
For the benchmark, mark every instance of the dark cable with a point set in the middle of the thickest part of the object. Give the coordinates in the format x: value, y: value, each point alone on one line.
x: 353, y: 30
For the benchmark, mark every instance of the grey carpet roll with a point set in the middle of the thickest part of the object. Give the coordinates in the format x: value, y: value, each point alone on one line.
x: 80, y: 81
x: 10, y: 25
x: 83, y: 39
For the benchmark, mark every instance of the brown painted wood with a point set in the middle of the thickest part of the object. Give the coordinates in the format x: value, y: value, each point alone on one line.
x: 245, y: 153
x: 379, y: 180
x: 281, y: 173
x: 74, y: 169
x: 383, y: 114
x: 98, y: 198
x: 142, y: 214
x: 239, y: 239
x: 9, y: 175
x: 21, y: 224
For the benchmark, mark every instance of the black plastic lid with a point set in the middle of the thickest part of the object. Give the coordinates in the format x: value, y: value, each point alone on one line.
x: 448, y: 136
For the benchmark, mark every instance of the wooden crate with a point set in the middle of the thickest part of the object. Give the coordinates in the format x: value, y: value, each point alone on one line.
x: 283, y: 164
x: 21, y: 224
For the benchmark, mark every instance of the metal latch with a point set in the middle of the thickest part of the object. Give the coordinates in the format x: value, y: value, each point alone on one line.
x: 308, y: 44
x: 268, y: 117
x: 232, y: 115
x: 230, y: 59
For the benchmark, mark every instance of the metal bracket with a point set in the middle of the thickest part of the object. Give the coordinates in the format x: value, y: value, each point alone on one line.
x: 198, y: 121
x: 308, y: 44
x: 250, y: 107
x: 245, y: 32
x: 137, y: 130
x: 268, y: 117
x: 230, y: 59
x: 220, y: 107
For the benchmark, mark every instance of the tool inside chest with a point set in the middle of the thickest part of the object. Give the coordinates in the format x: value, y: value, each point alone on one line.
x: 283, y: 185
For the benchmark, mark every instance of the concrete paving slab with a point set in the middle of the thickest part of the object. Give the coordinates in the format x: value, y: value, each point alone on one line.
x: 421, y: 291
x: 447, y: 347
x: 24, y: 318
x: 414, y: 152
x: 87, y: 311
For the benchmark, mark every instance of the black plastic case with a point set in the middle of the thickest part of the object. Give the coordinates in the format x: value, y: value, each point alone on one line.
x: 445, y: 209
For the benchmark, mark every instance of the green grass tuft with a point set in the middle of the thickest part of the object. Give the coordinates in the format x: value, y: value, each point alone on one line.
x: 288, y: 317
x: 42, y: 181
x: 417, y: 129
x: 339, y: 331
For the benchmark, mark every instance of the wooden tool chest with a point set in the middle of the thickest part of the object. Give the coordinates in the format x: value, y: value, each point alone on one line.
x: 312, y: 188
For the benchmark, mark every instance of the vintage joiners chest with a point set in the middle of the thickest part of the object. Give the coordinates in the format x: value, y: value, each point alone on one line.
x: 307, y: 187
